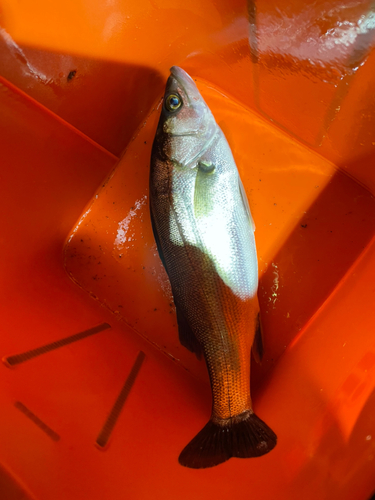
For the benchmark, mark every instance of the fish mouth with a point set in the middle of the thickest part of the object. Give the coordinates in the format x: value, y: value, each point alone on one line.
x: 179, y: 77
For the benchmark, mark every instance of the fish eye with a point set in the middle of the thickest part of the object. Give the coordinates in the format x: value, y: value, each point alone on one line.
x: 173, y: 102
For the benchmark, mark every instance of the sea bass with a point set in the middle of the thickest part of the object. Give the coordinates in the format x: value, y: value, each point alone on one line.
x: 205, y: 237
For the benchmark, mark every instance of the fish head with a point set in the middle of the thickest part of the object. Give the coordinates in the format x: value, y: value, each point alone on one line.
x: 186, y: 123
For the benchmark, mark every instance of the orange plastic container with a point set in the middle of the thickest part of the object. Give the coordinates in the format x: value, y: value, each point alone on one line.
x: 97, y: 396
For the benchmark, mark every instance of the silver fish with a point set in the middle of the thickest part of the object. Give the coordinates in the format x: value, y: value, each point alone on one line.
x: 205, y: 237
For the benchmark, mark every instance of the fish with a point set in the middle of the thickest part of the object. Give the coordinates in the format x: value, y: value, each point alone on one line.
x: 204, y: 232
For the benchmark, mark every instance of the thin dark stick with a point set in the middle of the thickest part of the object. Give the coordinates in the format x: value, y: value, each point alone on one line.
x: 26, y: 356
x: 107, y: 429
x: 44, y: 427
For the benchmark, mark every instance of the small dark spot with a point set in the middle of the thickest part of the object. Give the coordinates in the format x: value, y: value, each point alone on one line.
x: 304, y: 225
x: 81, y: 240
x: 145, y: 142
x: 330, y: 231
x: 143, y: 267
x: 99, y: 262
x: 155, y: 309
x: 71, y: 75
x: 275, y: 204
x: 120, y: 255
x: 260, y: 180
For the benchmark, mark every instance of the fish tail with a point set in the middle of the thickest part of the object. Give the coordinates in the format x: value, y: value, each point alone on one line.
x: 243, y: 436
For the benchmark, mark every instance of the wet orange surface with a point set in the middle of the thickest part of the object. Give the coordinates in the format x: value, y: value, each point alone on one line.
x: 81, y: 83
x: 303, y: 207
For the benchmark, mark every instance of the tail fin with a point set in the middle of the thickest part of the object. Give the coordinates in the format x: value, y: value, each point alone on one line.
x: 243, y: 436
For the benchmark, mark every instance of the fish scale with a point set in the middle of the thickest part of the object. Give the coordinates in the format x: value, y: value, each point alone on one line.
x: 205, y: 238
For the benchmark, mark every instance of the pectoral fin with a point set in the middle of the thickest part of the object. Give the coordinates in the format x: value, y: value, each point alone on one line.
x: 204, y: 184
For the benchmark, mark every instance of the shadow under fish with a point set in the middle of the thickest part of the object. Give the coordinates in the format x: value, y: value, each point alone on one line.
x: 205, y: 237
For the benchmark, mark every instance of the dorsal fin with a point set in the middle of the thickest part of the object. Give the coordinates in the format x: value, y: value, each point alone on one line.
x: 246, y: 203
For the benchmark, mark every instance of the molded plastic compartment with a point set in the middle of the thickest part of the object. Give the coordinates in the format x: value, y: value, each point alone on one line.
x: 84, y: 413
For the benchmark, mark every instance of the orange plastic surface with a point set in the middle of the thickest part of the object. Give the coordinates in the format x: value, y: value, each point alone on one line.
x: 80, y: 87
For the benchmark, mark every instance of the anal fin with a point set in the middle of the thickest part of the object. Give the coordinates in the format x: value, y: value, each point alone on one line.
x: 257, y: 348
x: 186, y: 335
